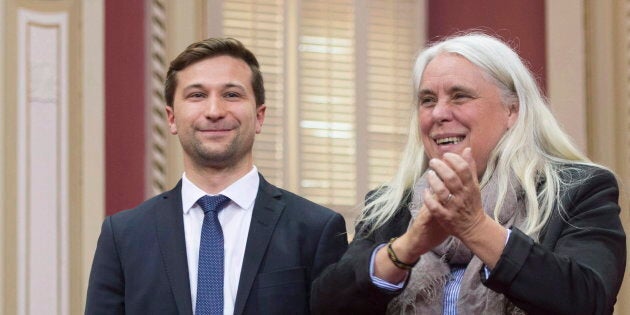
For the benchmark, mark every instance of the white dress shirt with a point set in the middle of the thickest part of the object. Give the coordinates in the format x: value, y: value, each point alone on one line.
x: 235, y: 219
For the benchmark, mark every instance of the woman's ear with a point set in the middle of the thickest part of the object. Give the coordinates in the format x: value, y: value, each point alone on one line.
x: 512, y: 114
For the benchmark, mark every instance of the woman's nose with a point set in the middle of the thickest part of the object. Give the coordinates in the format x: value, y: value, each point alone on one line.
x: 442, y: 111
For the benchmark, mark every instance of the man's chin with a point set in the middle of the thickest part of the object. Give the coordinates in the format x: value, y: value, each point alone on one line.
x: 215, y: 158
x: 214, y: 163
x: 212, y: 156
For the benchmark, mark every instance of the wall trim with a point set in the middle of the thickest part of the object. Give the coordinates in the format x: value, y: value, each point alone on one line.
x: 566, y: 66
x: 3, y: 116
x: 43, y: 198
x: 93, y: 137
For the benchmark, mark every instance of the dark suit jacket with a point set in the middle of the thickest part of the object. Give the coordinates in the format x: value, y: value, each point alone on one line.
x: 140, y: 264
x: 576, y: 267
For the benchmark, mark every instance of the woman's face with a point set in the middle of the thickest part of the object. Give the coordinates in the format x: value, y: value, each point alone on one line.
x: 459, y: 106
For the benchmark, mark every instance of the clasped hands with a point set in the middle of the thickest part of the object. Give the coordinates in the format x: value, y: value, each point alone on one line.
x: 452, y: 203
x: 461, y: 215
x: 453, y: 198
x: 452, y: 207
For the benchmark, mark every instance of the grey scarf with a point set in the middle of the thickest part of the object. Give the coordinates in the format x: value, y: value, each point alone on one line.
x: 425, y: 292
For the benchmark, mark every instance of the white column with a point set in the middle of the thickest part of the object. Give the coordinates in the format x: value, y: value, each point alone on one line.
x: 42, y: 164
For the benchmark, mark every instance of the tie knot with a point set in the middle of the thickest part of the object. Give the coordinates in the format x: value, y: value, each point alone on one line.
x: 212, y: 203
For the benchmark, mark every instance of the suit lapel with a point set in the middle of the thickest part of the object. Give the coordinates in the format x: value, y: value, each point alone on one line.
x: 172, y: 242
x: 267, y: 210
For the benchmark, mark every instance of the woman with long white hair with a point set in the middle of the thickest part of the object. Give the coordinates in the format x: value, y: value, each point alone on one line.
x: 493, y: 210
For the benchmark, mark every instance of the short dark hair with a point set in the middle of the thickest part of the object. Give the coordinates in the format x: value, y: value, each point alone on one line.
x: 208, y: 48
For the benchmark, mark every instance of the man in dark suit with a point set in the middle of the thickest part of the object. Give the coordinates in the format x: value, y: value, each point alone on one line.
x: 165, y: 256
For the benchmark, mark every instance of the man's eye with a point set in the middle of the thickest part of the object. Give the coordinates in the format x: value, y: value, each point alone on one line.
x: 232, y: 94
x: 196, y: 95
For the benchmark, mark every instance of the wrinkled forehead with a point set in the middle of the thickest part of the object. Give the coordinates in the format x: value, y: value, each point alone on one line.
x: 452, y: 68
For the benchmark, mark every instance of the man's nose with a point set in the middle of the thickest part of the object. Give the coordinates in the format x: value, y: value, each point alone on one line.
x: 215, y: 108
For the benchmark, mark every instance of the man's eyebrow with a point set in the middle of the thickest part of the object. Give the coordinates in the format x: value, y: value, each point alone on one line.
x: 234, y: 85
x: 194, y: 86
x: 225, y: 86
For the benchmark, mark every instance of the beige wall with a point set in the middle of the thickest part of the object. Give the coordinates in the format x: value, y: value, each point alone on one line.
x: 589, y: 89
x: 608, y: 106
x: 3, y: 206
x: 566, y: 68
x: 93, y: 166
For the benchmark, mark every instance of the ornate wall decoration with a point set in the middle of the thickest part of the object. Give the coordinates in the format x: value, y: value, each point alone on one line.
x: 42, y: 164
x: 158, y: 132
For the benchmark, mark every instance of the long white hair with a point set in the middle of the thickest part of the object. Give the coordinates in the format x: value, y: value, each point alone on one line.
x: 535, y: 149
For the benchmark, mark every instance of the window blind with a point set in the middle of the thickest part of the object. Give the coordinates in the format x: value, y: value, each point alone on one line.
x: 334, y: 149
x: 392, y: 44
x: 259, y: 26
x: 327, y: 108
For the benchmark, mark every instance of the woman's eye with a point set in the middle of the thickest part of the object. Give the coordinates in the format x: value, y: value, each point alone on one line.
x: 427, y: 101
x: 460, y: 96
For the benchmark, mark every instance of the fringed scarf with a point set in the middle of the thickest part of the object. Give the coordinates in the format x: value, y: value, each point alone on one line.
x: 424, y: 293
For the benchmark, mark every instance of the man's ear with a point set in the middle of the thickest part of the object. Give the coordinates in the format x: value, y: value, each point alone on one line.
x: 170, y: 116
x: 260, y: 117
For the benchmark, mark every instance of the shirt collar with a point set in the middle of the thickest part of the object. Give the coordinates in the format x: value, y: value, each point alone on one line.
x: 242, y: 192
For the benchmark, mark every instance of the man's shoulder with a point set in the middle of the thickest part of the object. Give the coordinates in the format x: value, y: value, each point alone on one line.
x: 299, y: 205
x: 312, y: 218
x: 147, y: 207
x: 296, y: 199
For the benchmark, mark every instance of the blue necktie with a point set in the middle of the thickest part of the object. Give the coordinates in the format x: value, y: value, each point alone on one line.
x: 210, y: 272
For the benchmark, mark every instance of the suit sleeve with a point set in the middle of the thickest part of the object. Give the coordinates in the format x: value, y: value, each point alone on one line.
x: 581, y: 272
x: 345, y: 287
x: 332, y: 244
x: 106, y: 289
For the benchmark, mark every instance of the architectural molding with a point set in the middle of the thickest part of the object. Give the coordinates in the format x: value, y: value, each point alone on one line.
x: 3, y: 115
x: 157, y: 128
x: 43, y: 276
x: 92, y: 173
x: 566, y: 66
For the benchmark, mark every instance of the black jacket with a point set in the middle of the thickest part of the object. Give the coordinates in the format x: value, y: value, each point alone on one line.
x: 576, y: 267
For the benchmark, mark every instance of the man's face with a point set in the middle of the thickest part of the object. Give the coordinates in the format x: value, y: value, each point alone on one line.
x: 214, y: 112
x: 459, y: 106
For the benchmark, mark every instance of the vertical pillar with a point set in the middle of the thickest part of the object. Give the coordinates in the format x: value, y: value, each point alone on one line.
x: 42, y: 183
